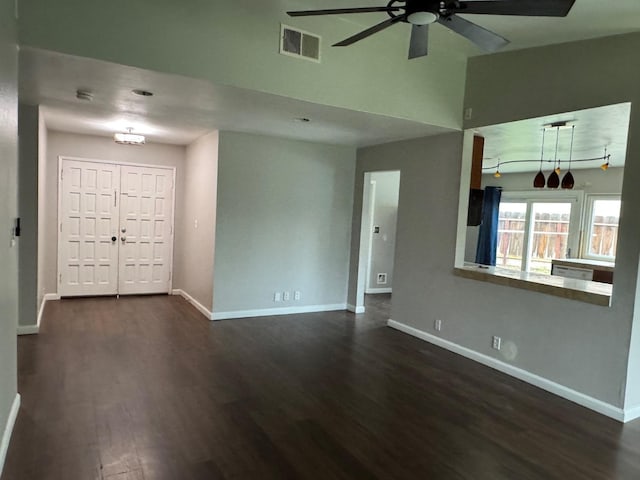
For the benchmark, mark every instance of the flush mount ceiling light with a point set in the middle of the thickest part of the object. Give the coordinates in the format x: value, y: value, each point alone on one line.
x: 129, y: 138
x: 142, y: 93
x: 82, y: 94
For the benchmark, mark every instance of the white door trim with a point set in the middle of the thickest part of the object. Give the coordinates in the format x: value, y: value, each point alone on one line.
x: 62, y: 158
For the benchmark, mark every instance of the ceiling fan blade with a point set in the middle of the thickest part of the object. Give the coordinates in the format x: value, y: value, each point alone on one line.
x: 419, y: 45
x: 369, y: 31
x: 533, y: 8
x: 340, y: 11
x: 485, y: 39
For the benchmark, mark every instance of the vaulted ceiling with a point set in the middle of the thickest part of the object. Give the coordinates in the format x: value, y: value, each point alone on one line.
x: 184, y: 108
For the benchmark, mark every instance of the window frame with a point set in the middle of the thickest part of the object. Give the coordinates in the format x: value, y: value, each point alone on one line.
x: 575, y: 197
x: 588, y: 225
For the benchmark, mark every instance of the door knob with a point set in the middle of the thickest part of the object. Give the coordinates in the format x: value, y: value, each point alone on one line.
x: 123, y: 238
x: 124, y: 230
x: 114, y: 238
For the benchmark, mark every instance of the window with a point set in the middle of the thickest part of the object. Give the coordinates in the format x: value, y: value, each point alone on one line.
x: 535, y: 229
x: 603, y: 217
x: 511, y: 230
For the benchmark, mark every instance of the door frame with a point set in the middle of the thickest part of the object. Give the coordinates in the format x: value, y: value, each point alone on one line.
x: 61, y: 159
x: 365, y: 245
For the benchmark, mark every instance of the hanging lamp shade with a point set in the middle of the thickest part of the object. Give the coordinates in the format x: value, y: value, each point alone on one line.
x: 567, y: 180
x: 539, y: 181
x: 553, y: 180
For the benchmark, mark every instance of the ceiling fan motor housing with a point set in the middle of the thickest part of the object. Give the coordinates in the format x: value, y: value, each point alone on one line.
x: 418, y: 12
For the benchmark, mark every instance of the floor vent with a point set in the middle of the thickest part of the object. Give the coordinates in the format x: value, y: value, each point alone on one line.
x: 297, y: 43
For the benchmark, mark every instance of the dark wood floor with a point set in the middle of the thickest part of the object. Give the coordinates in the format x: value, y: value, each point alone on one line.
x: 146, y: 388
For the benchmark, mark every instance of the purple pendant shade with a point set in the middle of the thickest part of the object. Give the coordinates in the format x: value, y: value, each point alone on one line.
x: 554, y: 180
x: 567, y: 181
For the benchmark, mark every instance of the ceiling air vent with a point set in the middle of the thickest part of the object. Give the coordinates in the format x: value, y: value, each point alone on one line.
x: 297, y: 43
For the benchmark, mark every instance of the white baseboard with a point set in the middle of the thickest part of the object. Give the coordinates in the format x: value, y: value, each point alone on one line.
x: 28, y: 329
x: 35, y: 329
x: 354, y: 309
x: 591, y: 403
x: 267, y: 312
x: 8, y: 430
x: 201, y: 308
x: 370, y: 291
x: 631, y: 414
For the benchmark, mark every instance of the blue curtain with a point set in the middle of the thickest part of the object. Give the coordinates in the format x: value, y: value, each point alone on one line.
x: 488, y: 236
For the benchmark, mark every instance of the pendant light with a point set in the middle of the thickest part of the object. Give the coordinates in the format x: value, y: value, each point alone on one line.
x: 605, y: 166
x: 540, y: 181
x: 554, y: 180
x: 567, y: 180
x: 497, y: 174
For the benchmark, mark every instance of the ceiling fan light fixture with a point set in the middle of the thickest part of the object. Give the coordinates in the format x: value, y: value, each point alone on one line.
x: 422, y: 18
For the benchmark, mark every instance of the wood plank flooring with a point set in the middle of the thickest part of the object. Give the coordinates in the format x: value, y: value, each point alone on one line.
x: 147, y: 388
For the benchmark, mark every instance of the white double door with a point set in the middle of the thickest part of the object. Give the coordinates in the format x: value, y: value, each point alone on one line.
x: 115, y: 228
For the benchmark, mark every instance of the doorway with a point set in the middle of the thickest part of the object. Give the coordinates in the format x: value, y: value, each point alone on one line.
x: 378, y: 234
x: 115, y: 234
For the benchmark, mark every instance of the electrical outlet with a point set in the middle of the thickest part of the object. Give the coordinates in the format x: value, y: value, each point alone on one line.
x: 297, y: 295
x: 277, y: 297
x: 286, y: 296
x: 382, y: 279
x: 437, y: 325
x: 496, y: 342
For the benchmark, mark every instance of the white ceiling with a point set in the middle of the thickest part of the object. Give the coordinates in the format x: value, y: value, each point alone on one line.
x: 184, y: 108
x: 595, y: 129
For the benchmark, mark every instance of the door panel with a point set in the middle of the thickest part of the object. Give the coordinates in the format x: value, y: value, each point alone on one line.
x: 88, y: 258
x: 146, y: 217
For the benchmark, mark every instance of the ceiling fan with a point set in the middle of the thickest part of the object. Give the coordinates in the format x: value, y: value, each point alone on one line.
x: 421, y: 13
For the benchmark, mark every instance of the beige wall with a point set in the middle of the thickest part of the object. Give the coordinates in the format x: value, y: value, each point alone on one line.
x: 196, y: 221
x: 99, y: 148
x: 283, y: 223
x: 563, y: 78
x: 589, y: 349
x: 569, y: 342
